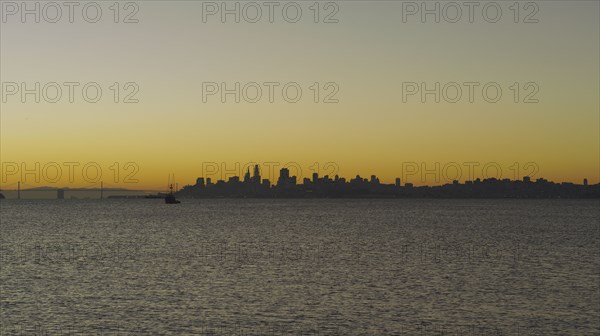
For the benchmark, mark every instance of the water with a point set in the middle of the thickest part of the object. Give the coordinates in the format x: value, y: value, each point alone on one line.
x: 300, y: 267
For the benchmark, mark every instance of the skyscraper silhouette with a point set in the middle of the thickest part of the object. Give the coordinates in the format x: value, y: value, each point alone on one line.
x: 256, y: 177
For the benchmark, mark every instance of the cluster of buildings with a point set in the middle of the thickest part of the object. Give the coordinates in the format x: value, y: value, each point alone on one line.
x: 252, y: 185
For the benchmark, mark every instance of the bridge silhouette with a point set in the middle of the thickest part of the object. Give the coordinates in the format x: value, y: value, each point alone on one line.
x: 97, y: 190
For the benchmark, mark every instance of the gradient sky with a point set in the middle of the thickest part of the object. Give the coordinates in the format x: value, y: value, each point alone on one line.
x: 369, y: 53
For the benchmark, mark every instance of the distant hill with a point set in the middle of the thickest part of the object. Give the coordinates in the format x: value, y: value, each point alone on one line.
x: 75, y: 189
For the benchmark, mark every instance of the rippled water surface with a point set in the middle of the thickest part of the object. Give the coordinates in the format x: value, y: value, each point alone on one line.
x: 300, y: 267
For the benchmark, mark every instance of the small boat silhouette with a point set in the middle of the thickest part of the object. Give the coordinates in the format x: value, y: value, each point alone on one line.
x: 170, y: 197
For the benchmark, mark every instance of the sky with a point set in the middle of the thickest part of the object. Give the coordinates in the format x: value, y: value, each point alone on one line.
x: 367, y: 58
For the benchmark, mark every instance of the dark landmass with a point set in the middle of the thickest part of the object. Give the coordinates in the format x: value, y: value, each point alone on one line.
x: 45, y: 192
x: 358, y: 187
x: 74, y: 189
x: 159, y: 195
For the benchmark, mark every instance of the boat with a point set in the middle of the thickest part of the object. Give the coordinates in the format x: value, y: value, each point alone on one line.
x: 170, y: 197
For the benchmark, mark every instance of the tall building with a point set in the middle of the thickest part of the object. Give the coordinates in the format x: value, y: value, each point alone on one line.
x: 585, y: 182
x: 256, y: 177
x: 397, y: 182
x: 284, y: 173
x: 247, y: 176
x: 284, y: 176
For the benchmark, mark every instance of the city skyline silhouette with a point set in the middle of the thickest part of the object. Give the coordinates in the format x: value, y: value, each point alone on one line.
x: 252, y: 184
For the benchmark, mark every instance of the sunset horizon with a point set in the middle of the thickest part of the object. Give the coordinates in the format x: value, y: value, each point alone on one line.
x: 200, y: 99
x: 308, y: 167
